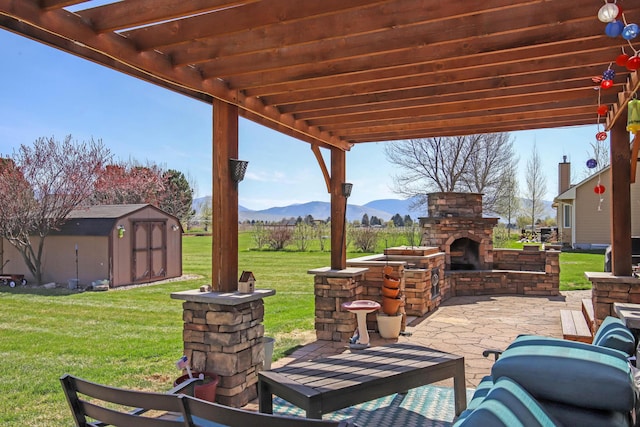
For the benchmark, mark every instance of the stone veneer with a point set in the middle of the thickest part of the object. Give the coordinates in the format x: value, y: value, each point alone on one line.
x: 363, y: 279
x: 523, y: 272
x: 223, y: 334
x: 607, y: 289
x: 455, y: 216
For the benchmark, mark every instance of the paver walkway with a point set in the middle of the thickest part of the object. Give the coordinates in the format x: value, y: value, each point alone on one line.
x: 469, y: 325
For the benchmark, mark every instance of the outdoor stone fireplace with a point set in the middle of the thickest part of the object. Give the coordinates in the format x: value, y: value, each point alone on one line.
x: 455, y: 225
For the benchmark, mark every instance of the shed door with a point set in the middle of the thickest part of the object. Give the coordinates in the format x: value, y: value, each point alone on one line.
x: 149, y: 257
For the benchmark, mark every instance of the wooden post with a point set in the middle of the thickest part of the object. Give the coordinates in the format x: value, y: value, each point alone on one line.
x: 620, y: 200
x: 338, y: 210
x: 224, y: 199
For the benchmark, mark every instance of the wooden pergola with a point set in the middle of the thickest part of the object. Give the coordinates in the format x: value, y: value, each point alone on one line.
x: 337, y: 73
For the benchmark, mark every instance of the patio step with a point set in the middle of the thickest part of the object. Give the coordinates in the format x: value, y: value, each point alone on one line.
x: 574, y: 326
x: 589, y: 314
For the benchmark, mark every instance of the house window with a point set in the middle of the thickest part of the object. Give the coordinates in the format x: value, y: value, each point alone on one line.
x: 567, y: 216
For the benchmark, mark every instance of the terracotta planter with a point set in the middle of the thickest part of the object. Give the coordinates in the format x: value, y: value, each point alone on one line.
x: 390, y: 292
x: 391, y: 306
x: 206, y: 391
x: 391, y: 282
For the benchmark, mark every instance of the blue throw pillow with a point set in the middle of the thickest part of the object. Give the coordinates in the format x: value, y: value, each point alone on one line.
x: 508, y: 405
x: 613, y: 333
x: 586, y: 376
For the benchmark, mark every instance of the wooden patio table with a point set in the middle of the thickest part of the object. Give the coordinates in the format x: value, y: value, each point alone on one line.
x: 331, y: 383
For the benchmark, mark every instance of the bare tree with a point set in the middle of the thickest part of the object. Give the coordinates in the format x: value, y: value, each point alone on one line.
x: 536, y: 186
x: 471, y: 163
x: 260, y: 237
x: 508, y: 200
x: 39, y: 186
x: 488, y: 164
x: 429, y: 164
x: 302, y: 235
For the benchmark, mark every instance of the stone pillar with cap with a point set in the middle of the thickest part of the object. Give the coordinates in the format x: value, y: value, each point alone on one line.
x: 223, y: 333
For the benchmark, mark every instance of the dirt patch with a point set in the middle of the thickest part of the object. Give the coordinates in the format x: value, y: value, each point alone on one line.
x: 159, y: 282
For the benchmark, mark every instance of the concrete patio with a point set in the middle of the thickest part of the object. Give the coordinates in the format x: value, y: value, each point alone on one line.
x: 467, y: 326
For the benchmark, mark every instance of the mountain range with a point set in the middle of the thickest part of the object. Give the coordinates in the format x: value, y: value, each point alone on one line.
x: 382, y: 208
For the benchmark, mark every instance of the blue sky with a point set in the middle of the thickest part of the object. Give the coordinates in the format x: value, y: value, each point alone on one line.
x: 46, y: 92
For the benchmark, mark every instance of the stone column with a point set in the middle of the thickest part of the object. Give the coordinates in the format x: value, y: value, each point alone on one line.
x: 332, y: 288
x: 223, y: 334
x: 606, y: 288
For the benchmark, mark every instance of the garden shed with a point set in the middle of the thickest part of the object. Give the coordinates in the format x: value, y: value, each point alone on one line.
x: 125, y: 244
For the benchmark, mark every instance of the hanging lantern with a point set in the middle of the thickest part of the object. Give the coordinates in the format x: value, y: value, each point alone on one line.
x: 601, y: 136
x: 614, y: 28
x: 599, y: 189
x: 606, y: 84
x: 608, y: 12
x: 630, y: 31
x: 592, y: 163
x: 633, y: 116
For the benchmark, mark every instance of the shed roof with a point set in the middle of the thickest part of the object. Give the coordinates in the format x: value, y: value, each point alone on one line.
x: 106, y: 211
x: 98, y: 220
x: 338, y: 73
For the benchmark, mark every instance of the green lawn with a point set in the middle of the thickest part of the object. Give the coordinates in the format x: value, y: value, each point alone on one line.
x: 132, y: 338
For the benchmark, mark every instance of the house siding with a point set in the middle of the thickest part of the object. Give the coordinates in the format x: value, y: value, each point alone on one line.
x: 592, y: 225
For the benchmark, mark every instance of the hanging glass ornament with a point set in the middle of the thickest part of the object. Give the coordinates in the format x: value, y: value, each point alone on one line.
x: 599, y: 189
x: 592, y: 163
x: 622, y: 59
x: 630, y: 31
x: 603, y: 110
x: 633, y: 116
x: 633, y: 63
x: 608, y: 12
x: 601, y: 136
x: 614, y: 28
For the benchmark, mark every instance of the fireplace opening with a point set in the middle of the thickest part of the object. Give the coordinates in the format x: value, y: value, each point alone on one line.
x: 464, y: 254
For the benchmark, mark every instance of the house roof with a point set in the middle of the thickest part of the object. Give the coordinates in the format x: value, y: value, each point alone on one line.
x: 338, y: 73
x: 570, y: 193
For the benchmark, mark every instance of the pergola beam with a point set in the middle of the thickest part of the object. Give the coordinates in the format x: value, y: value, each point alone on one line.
x: 66, y: 25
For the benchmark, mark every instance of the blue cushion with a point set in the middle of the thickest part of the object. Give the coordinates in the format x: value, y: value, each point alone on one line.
x: 570, y: 415
x: 509, y: 405
x: 613, y: 333
x: 591, y: 377
x: 478, y: 396
x: 535, y: 340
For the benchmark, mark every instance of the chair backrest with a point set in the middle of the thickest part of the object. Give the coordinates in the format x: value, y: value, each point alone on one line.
x: 206, y: 414
x: 97, y: 405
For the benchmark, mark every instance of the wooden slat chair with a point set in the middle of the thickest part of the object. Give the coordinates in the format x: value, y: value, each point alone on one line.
x: 206, y: 414
x: 94, y: 405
